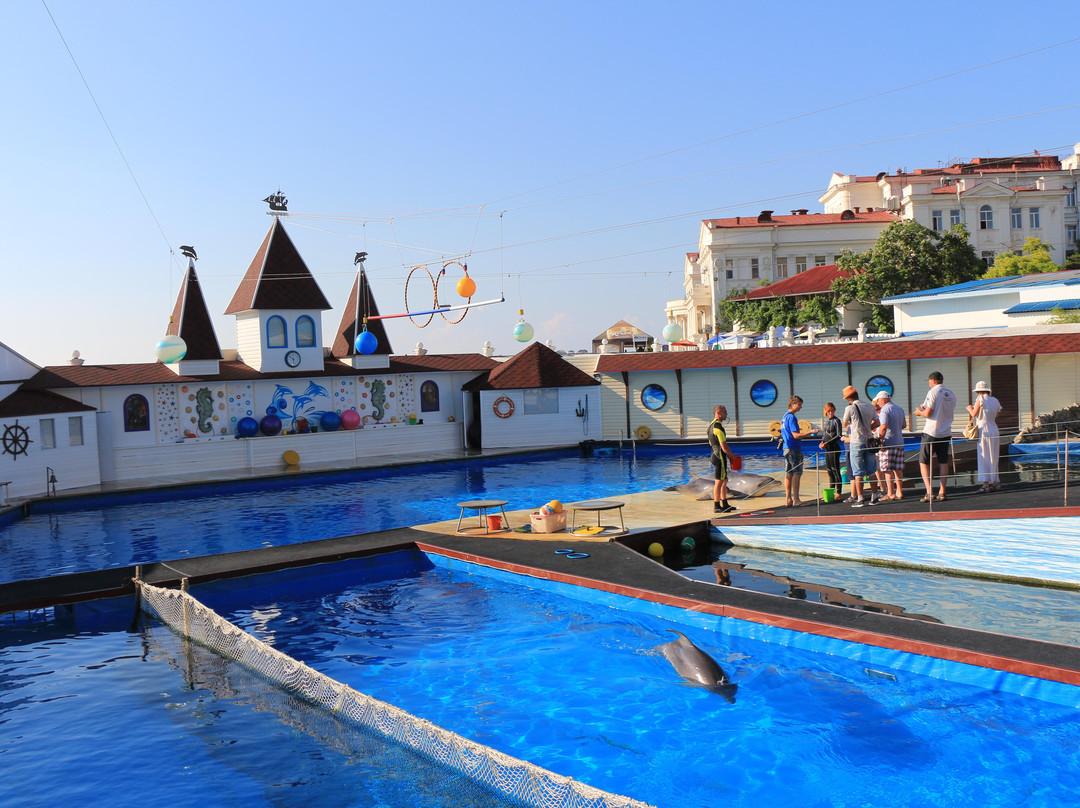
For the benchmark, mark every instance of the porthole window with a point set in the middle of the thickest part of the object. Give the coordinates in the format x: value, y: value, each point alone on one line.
x: 876, y: 384
x: 763, y: 393
x: 653, y: 397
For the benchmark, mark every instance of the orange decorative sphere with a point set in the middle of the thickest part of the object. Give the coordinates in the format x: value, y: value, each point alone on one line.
x: 466, y: 287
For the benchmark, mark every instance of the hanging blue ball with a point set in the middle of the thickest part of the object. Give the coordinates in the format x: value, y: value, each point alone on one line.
x: 247, y: 427
x: 366, y: 342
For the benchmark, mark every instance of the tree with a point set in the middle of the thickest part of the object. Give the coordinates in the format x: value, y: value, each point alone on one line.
x: 760, y: 314
x: 906, y: 258
x: 1032, y: 259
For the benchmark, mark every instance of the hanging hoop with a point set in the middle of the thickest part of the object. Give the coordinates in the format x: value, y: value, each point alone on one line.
x: 437, y: 280
x: 503, y: 407
x: 434, y: 291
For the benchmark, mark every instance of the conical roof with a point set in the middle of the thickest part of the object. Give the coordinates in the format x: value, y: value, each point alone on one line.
x: 345, y: 336
x: 536, y: 366
x: 191, y: 320
x: 278, y: 278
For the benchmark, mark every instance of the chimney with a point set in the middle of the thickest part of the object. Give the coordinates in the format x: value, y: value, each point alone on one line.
x: 856, y: 210
x: 765, y: 216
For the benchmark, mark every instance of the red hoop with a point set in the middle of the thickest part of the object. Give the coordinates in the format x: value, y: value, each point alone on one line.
x: 434, y: 290
x: 509, y: 402
x: 469, y: 300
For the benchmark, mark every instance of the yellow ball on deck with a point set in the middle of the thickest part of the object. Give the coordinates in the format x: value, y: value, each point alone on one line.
x: 656, y: 549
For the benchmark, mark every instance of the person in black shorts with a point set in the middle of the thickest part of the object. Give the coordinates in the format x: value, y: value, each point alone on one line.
x: 721, y: 452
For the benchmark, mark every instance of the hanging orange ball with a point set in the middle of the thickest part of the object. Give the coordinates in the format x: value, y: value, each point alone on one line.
x: 466, y: 287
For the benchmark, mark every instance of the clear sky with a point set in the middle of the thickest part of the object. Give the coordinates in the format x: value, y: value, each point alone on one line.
x: 571, y: 148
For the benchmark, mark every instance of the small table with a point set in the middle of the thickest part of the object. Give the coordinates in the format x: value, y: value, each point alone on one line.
x: 599, y: 505
x: 481, y: 506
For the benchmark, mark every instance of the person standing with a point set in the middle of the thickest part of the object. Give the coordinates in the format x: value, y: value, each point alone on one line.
x: 937, y: 408
x: 891, y: 453
x: 985, y: 412
x: 831, y: 433
x: 720, y: 454
x: 859, y: 421
x: 793, y: 455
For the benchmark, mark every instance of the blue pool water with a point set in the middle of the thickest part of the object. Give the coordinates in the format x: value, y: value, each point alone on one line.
x: 78, y: 535
x: 577, y: 687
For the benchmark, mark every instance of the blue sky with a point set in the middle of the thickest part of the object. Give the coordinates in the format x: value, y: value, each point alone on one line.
x: 571, y: 148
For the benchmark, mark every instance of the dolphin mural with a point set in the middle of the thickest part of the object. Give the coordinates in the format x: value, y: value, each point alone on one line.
x: 694, y: 665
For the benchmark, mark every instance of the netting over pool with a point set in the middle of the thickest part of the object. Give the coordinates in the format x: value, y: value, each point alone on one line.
x: 532, y: 785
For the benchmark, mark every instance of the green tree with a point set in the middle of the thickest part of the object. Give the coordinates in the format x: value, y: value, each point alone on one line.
x: 1032, y: 259
x: 1058, y: 316
x: 906, y: 258
x: 760, y: 314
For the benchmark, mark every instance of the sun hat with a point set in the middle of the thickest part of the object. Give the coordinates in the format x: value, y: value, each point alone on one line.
x: 849, y: 391
x: 882, y: 394
x: 981, y: 387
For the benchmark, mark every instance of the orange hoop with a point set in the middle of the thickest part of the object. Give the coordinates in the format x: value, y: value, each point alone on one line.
x: 501, y: 413
x: 434, y: 290
x: 469, y: 300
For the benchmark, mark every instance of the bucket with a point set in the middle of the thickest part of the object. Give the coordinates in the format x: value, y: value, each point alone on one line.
x: 736, y: 463
x: 494, y: 522
x: 412, y: 419
x: 828, y: 494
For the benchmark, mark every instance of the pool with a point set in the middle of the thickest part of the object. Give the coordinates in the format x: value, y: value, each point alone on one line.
x: 101, y: 532
x: 568, y: 678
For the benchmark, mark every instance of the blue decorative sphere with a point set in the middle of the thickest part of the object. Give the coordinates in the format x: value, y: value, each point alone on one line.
x: 366, y: 342
x: 523, y: 332
x: 271, y: 410
x: 330, y: 421
x: 247, y: 427
x: 270, y: 425
x: 170, y: 349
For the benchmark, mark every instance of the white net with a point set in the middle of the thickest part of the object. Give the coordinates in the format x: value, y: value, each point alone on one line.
x: 522, y: 781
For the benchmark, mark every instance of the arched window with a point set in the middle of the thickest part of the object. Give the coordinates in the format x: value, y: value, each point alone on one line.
x: 986, y: 218
x: 276, y: 336
x: 429, y: 397
x: 136, y: 414
x: 305, y: 332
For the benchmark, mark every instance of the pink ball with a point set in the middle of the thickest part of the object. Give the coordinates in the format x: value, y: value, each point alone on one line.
x: 350, y: 419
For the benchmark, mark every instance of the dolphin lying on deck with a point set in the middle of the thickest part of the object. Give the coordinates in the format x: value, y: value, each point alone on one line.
x: 694, y: 665
x: 741, y: 482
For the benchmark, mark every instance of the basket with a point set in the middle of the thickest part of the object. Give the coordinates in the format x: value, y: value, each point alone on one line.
x: 548, y: 523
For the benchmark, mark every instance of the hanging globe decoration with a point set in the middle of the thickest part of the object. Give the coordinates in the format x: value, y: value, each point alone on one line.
x: 523, y: 332
x: 672, y: 332
x: 366, y: 342
x: 466, y: 287
x: 170, y: 349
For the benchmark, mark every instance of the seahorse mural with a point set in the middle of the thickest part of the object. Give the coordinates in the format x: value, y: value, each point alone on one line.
x: 378, y: 398
x: 204, y: 409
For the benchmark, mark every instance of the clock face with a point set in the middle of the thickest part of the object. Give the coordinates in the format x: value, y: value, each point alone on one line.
x: 292, y: 359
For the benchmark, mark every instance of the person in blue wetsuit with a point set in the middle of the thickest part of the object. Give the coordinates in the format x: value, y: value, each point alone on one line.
x: 793, y: 456
x: 720, y: 454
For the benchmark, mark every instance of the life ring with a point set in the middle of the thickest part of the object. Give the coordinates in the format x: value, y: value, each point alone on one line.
x: 643, y: 432
x: 775, y: 428
x: 498, y: 408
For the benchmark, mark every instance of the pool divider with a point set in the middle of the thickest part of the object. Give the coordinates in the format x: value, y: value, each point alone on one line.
x: 518, y: 779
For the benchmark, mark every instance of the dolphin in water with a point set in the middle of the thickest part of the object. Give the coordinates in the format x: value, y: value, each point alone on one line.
x: 694, y: 665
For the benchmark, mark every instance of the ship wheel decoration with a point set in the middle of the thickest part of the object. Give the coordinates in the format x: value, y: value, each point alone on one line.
x: 16, y: 439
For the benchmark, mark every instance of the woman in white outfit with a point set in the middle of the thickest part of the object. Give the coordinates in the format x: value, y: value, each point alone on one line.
x: 985, y: 412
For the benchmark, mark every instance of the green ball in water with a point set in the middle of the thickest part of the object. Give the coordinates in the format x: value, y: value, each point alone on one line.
x: 656, y: 549
x: 688, y: 543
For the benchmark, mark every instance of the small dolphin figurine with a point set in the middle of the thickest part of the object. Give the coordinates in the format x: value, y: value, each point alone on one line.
x: 694, y: 665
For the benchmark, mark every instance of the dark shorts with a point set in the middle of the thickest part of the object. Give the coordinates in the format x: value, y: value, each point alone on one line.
x: 890, y: 458
x: 939, y: 446
x: 793, y: 461
x: 720, y: 466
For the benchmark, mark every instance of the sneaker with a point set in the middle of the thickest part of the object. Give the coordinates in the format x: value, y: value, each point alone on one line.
x: 874, y: 499
x: 849, y: 500
x: 859, y: 503
x: 727, y: 508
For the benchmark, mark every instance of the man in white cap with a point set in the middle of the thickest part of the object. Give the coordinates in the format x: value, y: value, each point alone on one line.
x: 891, y: 453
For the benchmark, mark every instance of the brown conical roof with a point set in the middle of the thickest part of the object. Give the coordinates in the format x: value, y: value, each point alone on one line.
x: 345, y: 336
x: 191, y: 320
x: 278, y: 278
x: 536, y: 366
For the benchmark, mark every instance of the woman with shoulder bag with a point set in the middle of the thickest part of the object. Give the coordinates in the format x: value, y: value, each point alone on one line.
x: 985, y: 412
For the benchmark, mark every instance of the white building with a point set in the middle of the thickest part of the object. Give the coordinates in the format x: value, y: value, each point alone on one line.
x: 1002, y: 201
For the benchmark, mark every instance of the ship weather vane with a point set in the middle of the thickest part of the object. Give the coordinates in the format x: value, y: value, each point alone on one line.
x: 279, y: 205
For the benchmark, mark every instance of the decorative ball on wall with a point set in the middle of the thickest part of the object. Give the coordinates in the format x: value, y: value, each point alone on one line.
x: 270, y: 425
x: 350, y: 419
x: 366, y: 342
x: 672, y: 332
x: 330, y: 421
x: 170, y: 349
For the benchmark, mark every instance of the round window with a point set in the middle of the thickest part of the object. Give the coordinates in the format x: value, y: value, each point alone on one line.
x: 763, y: 393
x: 876, y: 384
x: 653, y: 397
